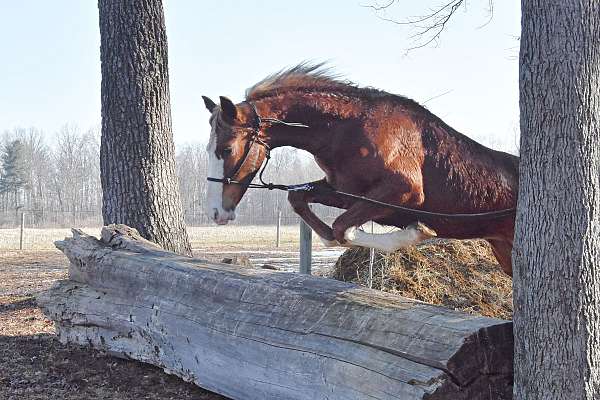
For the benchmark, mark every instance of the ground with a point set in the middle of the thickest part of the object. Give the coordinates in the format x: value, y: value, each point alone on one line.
x: 34, y: 365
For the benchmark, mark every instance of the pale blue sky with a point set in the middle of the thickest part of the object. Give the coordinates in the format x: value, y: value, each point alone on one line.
x: 50, y: 69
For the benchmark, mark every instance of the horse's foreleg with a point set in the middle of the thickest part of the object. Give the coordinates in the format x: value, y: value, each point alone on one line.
x: 299, y: 202
x: 345, y: 226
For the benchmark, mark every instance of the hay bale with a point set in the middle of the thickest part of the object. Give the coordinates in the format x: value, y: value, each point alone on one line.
x: 459, y: 274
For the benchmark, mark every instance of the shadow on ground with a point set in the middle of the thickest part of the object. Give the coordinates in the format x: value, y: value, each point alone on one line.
x: 35, y: 365
x: 40, y: 367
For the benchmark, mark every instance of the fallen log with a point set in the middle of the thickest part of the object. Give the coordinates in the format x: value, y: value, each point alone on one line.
x: 259, y: 334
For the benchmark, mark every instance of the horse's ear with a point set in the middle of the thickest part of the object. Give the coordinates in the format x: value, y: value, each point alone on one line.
x: 228, y: 108
x: 210, y: 105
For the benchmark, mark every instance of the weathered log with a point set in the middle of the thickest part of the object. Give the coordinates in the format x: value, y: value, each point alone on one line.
x: 259, y: 334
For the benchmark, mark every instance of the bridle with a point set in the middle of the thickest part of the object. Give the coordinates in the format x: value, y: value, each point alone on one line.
x: 256, y: 139
x: 309, y: 187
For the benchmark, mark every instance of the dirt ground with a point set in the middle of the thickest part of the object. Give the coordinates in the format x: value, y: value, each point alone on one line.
x: 34, y: 365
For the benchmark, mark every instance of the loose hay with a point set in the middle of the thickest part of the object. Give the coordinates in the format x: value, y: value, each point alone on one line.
x: 462, y: 275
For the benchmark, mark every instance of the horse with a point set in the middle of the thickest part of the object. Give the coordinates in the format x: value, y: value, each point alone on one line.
x: 369, y: 144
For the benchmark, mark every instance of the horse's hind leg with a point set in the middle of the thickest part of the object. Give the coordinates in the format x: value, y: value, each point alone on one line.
x: 391, y: 241
x: 502, y: 249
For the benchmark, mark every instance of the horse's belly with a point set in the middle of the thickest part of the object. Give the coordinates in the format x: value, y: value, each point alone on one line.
x: 457, y: 229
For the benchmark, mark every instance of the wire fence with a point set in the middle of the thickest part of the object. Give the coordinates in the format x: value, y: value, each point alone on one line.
x: 47, y: 219
x: 39, y: 229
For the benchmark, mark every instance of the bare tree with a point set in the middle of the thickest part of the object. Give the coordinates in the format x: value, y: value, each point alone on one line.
x: 429, y: 26
x: 137, y: 156
x: 191, y: 163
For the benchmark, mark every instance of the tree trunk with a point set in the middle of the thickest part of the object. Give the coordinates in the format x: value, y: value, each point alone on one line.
x: 557, y: 241
x: 256, y: 334
x: 137, y: 160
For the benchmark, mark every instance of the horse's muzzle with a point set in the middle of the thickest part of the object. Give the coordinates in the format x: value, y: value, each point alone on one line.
x: 222, y: 217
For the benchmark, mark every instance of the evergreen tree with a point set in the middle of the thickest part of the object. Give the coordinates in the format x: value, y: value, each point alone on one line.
x: 13, y: 176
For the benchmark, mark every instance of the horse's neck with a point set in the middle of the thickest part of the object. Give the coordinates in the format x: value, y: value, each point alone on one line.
x: 308, y: 139
x: 313, y: 139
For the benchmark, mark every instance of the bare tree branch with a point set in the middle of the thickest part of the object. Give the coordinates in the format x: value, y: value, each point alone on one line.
x: 377, y: 7
x: 430, y: 26
x: 437, y: 96
x: 490, y: 11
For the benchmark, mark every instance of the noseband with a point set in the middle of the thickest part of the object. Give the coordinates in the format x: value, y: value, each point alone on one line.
x: 255, y: 138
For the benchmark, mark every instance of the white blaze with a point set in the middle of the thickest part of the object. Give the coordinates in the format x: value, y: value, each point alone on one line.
x: 214, y: 190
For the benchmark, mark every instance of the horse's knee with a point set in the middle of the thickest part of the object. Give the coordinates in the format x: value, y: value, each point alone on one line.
x: 339, y: 230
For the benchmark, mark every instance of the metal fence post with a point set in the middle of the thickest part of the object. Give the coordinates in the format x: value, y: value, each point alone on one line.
x: 22, y: 229
x: 278, y: 243
x: 371, y: 258
x: 305, y: 248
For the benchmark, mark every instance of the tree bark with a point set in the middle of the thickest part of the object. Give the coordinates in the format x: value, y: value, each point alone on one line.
x: 137, y: 161
x: 557, y: 240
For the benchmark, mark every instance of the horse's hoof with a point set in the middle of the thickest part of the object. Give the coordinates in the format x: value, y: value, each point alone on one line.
x: 425, y: 231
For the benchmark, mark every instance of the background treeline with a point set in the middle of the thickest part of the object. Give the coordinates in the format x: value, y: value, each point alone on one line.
x: 57, y: 183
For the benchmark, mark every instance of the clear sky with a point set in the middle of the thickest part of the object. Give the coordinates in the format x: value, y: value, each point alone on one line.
x: 50, y: 65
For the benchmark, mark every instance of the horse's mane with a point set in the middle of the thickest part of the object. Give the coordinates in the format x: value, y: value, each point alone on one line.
x: 302, y: 77
x: 309, y: 77
x: 320, y: 78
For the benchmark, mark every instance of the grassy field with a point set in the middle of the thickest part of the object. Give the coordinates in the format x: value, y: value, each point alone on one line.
x: 248, y: 237
x: 205, y: 237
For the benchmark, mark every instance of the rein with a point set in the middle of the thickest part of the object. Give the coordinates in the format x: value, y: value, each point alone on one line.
x: 309, y: 187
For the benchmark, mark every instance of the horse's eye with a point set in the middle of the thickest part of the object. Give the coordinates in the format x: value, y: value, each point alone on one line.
x: 227, y: 151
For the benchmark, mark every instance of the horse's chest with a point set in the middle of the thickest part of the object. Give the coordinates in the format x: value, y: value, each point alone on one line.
x: 327, y: 169
x: 342, y: 177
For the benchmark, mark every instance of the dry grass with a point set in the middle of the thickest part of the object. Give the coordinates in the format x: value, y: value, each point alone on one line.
x: 246, y: 237
x: 203, y: 237
x: 463, y: 275
x: 37, y: 239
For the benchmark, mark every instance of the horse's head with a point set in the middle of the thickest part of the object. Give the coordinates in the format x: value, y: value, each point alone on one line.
x: 234, y: 153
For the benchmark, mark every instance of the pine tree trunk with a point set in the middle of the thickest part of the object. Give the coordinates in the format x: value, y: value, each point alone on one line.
x: 137, y: 160
x: 557, y: 242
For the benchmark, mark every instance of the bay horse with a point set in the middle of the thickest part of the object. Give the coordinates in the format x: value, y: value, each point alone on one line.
x: 368, y: 143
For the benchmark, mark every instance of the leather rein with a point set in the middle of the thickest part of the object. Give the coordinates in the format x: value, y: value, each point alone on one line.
x: 309, y: 187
